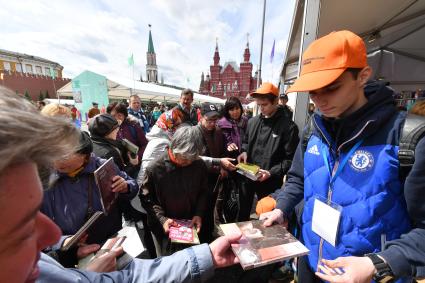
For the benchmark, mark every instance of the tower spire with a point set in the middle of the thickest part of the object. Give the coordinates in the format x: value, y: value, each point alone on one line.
x: 151, y: 67
x: 246, y: 54
x: 216, y: 55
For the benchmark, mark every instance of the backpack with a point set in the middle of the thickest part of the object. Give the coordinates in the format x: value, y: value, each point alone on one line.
x: 412, y: 131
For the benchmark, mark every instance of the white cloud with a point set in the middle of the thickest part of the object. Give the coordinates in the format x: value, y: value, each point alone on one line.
x: 101, y: 35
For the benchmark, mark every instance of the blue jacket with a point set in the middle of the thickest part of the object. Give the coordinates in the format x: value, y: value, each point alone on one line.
x: 373, y: 199
x: 190, y: 265
x: 67, y: 201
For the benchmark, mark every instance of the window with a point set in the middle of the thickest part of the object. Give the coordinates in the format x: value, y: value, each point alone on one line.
x: 6, y: 66
x: 19, y: 67
x: 47, y: 71
x: 28, y: 68
x: 38, y: 70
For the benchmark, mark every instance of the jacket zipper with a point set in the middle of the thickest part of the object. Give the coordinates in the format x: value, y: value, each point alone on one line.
x: 334, y: 169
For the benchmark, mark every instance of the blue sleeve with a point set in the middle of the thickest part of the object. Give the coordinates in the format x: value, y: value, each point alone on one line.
x: 190, y: 265
x: 292, y: 191
x: 133, y: 188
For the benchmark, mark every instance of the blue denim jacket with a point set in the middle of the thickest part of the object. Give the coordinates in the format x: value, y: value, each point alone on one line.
x: 189, y: 265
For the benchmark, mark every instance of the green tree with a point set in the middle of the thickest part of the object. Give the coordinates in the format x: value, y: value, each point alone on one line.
x: 27, y: 95
x: 41, y: 96
x: 47, y: 94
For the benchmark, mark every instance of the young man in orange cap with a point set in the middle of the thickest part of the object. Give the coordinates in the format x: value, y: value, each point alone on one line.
x: 356, y: 206
x: 270, y: 142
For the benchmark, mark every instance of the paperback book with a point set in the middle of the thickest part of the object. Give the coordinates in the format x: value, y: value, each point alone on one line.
x: 103, y: 177
x: 262, y: 245
x: 248, y: 170
x: 183, y: 233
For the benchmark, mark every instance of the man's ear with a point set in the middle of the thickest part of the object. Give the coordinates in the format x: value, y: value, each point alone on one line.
x: 364, y: 75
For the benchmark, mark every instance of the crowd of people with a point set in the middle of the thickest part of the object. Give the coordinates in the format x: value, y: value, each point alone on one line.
x: 358, y: 215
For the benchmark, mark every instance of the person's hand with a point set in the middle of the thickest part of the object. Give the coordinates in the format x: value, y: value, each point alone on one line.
x: 119, y: 185
x: 223, y: 173
x: 197, y: 222
x: 133, y: 161
x: 276, y: 215
x: 263, y: 175
x: 107, y: 262
x: 222, y: 254
x: 167, y: 224
x: 227, y: 164
x: 347, y: 269
x: 242, y: 157
x: 84, y: 250
x: 232, y: 147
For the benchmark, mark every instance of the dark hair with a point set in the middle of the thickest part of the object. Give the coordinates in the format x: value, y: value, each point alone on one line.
x: 270, y: 97
x: 85, y: 144
x: 354, y: 72
x: 231, y: 102
x: 187, y: 91
x: 119, y: 107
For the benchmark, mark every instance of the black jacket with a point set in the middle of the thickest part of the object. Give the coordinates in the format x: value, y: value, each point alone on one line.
x: 271, y: 143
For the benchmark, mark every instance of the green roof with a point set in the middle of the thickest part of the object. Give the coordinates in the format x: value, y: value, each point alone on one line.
x: 150, y: 45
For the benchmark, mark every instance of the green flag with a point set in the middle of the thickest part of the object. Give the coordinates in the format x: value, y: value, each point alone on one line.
x: 52, y: 73
x: 131, y: 60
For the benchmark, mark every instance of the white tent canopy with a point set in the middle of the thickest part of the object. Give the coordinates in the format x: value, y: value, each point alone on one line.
x: 122, y: 89
x: 393, y: 30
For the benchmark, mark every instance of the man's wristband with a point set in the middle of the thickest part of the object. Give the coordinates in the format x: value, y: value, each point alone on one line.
x: 383, y: 273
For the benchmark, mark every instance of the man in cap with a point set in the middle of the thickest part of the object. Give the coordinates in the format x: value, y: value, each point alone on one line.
x: 355, y: 209
x: 270, y: 141
x: 283, y: 100
x: 94, y: 110
x: 213, y: 156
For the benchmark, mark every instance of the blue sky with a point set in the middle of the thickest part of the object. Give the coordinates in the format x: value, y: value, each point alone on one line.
x: 101, y: 35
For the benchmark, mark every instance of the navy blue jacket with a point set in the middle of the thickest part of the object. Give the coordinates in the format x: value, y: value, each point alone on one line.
x: 374, y: 201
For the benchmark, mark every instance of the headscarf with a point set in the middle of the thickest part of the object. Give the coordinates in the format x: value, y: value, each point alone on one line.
x: 168, y: 121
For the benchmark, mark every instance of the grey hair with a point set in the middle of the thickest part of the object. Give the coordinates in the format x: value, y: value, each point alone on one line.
x: 187, y: 142
x: 26, y: 135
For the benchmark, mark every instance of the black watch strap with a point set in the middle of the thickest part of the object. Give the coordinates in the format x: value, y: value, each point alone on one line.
x: 383, y: 273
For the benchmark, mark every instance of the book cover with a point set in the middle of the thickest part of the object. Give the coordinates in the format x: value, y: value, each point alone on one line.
x: 103, y: 176
x: 182, y: 233
x: 82, y: 231
x: 248, y: 170
x: 261, y: 245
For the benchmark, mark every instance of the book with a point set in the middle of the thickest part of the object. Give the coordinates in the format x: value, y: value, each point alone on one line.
x: 82, y: 231
x: 131, y: 147
x: 183, y: 234
x: 103, y: 177
x: 262, y: 245
x: 248, y: 170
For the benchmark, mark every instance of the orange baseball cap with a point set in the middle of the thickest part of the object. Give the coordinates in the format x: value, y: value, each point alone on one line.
x: 266, y: 88
x: 327, y: 58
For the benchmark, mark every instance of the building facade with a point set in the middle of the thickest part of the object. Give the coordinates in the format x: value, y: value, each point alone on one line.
x: 230, y: 79
x: 30, y: 75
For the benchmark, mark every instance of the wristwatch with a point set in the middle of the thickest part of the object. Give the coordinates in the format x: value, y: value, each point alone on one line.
x: 383, y: 273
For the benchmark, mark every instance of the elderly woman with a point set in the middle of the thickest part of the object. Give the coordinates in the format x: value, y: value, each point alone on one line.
x: 175, y: 187
x: 73, y: 196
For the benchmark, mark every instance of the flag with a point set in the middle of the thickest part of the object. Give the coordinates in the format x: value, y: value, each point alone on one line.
x: 52, y: 73
x: 131, y: 60
x: 272, y: 53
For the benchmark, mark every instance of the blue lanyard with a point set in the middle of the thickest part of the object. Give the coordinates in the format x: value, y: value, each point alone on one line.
x: 341, y: 165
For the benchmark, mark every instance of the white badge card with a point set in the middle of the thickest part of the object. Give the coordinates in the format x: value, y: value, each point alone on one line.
x: 326, y: 220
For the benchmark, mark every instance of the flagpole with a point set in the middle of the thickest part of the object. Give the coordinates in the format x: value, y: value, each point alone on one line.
x: 261, y: 49
x: 134, y: 82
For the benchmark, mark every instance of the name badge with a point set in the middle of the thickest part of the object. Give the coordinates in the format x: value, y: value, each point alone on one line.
x: 326, y: 220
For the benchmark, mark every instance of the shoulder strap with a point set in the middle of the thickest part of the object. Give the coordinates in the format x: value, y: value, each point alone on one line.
x: 307, y: 133
x: 412, y: 131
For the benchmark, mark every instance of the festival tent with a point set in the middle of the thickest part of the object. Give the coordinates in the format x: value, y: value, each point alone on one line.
x: 122, y: 89
x: 393, y: 30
